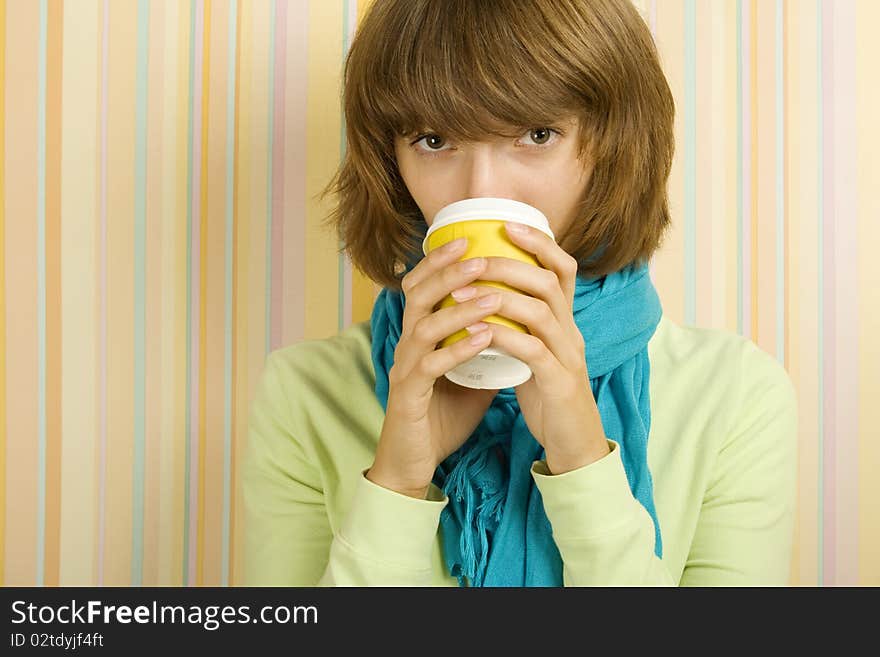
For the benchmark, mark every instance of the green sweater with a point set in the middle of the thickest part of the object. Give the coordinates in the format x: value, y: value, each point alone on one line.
x: 721, y: 449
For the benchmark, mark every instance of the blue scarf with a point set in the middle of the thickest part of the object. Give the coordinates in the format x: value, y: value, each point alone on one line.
x: 494, y: 530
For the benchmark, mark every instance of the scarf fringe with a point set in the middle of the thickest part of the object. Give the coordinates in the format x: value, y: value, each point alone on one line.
x: 483, y: 507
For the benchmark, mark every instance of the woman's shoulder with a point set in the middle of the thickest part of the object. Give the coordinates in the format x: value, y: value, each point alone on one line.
x: 326, y: 385
x: 677, y: 343
x: 339, y: 357
x: 715, y: 357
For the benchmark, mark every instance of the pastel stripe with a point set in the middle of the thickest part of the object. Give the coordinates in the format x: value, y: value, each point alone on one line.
x: 867, y: 108
x: 782, y: 190
x: 741, y: 160
x: 140, y: 175
x: 193, y: 286
x: 183, y: 205
x: 154, y: 311
x: 303, y: 73
x: 791, y: 337
x: 749, y: 169
x: 211, y: 440
x: 321, y: 130
x: 160, y: 317
x: 754, y: 176
x: 121, y: 250
x: 55, y: 35
x: 241, y: 308
x: 731, y: 165
x: 690, y: 161
x: 229, y: 263
x: 202, y: 291
x: 713, y: 117
x: 271, y: 64
x: 204, y: 286
x: 705, y: 224
x: 184, y: 208
x: 669, y: 261
x: 41, y: 296
x: 78, y: 478
x: 734, y: 169
x: 243, y: 162
x: 781, y: 227
x: 812, y: 268
x: 829, y: 252
x: 846, y: 294
x: 826, y: 549
x: 253, y: 207
x: 767, y: 233
x: 102, y: 296
x: 175, y: 64
x: 764, y: 232
x: 190, y: 205
x: 278, y: 116
x: 804, y: 155
x: 24, y: 413
x: 237, y: 320
x: 191, y: 166
x: 3, y: 370
x: 787, y: 69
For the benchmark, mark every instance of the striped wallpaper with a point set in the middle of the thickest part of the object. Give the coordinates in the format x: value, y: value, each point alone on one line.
x: 159, y: 231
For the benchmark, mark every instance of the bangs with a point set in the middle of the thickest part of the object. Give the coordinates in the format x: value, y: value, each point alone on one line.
x: 468, y: 69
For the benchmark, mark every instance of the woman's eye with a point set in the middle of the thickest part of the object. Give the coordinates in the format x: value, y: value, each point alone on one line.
x: 543, y: 135
x: 433, y: 143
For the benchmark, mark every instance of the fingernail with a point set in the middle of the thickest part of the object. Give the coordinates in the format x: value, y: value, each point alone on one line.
x: 477, y: 328
x: 519, y: 229
x: 454, y: 245
x: 464, y: 293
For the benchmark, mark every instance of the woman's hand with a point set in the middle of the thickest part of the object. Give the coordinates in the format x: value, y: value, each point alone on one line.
x: 427, y: 416
x: 556, y: 402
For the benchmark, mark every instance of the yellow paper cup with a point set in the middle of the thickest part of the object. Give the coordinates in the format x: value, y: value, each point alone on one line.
x: 482, y: 221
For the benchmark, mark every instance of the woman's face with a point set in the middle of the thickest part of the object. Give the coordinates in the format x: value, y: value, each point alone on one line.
x: 540, y: 167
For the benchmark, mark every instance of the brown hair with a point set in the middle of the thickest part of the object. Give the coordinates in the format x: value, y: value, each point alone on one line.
x: 461, y: 67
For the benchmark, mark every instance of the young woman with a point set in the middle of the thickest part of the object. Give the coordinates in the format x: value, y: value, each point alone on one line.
x: 641, y: 452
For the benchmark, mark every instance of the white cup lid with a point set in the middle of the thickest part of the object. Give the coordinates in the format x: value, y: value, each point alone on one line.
x: 489, y: 208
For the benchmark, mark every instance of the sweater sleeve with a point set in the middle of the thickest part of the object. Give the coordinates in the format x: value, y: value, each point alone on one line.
x: 604, y: 535
x: 743, y: 535
x: 386, y: 538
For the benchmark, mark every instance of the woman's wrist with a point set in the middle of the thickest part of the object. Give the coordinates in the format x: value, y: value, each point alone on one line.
x: 380, y: 478
x: 559, y: 463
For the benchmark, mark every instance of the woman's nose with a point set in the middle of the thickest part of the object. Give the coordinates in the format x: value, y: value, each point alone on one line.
x: 485, y: 174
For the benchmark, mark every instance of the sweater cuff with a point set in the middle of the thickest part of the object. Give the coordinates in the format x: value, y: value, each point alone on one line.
x: 587, y: 502
x: 387, y: 526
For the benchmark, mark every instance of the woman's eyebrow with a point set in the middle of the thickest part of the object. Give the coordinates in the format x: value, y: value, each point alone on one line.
x: 502, y: 130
